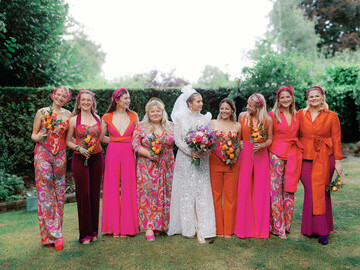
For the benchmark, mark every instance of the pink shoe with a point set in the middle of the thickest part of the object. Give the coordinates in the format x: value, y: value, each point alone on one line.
x: 59, y: 245
x: 150, y: 237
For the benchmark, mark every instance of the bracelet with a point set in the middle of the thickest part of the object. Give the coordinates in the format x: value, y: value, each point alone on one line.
x: 77, y: 148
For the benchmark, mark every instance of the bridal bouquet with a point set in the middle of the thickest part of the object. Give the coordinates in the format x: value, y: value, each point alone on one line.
x: 200, y: 139
x: 50, y: 121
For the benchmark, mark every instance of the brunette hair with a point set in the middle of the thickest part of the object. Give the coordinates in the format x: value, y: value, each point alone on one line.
x: 116, y: 96
x: 192, y: 98
x: 231, y: 103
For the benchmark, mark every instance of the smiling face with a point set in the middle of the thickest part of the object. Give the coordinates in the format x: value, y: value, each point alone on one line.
x: 124, y: 101
x: 86, y: 102
x: 251, y: 107
x: 285, y: 99
x: 225, y: 111
x: 197, y: 104
x: 315, y: 98
x: 155, y: 114
x: 60, y: 97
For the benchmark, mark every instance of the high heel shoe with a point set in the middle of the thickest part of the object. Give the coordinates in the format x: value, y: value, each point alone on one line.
x: 200, y: 239
x: 59, y: 245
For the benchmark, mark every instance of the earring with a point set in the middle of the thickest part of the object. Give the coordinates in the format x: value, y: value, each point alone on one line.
x: 117, y: 105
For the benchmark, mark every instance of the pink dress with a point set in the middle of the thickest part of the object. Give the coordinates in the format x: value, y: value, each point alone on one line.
x: 253, y: 205
x: 119, y: 208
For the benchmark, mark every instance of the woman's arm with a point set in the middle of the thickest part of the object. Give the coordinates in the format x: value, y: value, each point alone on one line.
x: 179, y: 140
x: 137, y: 146
x: 103, y: 138
x: 269, y: 131
x: 70, y: 142
x: 37, y: 135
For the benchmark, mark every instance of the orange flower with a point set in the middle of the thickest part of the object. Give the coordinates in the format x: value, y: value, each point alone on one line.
x: 255, y: 134
x: 334, y: 189
x: 44, y: 123
x: 256, y: 129
x: 157, y: 141
x: 157, y: 151
x: 228, y: 152
x: 225, y: 147
x: 54, y: 114
x: 49, y: 126
x: 91, y: 148
x: 154, y: 149
x: 153, y: 144
x: 339, y: 183
x: 231, y: 150
x: 232, y: 156
x: 47, y: 115
x: 87, y: 139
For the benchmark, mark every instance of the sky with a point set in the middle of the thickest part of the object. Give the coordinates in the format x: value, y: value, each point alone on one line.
x: 140, y: 35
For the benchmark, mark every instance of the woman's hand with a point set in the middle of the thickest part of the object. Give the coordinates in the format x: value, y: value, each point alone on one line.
x: 153, y: 157
x: 84, y: 152
x: 241, y: 145
x: 42, y: 134
x: 338, y: 167
x: 258, y: 146
x: 197, y: 154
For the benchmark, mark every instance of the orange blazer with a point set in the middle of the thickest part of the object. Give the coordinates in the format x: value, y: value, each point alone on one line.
x: 320, y: 139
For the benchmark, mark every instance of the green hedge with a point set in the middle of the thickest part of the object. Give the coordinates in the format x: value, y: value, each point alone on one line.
x: 19, y: 105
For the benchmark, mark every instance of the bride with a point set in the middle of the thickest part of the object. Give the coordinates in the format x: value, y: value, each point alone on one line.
x: 191, y: 208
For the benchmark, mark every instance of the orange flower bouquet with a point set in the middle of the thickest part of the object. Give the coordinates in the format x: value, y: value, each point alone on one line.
x: 335, y: 185
x: 257, y: 134
x: 230, y: 148
x: 155, y: 146
x: 50, y: 121
x: 90, y: 144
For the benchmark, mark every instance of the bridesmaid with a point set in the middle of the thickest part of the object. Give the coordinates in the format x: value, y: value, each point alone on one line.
x: 154, y: 171
x: 224, y: 177
x: 119, y: 208
x: 285, y: 161
x: 253, y: 205
x: 320, y: 135
x: 87, y: 177
x: 50, y: 168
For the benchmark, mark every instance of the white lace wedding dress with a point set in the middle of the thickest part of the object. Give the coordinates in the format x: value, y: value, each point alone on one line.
x: 191, y: 188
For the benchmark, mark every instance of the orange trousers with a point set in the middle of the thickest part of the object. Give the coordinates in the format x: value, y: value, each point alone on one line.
x: 224, y: 182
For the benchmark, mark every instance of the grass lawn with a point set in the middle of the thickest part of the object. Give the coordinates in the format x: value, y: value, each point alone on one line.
x: 20, y: 246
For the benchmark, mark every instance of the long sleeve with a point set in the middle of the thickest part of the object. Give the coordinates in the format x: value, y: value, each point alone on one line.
x: 179, y: 140
x: 137, y: 136
x: 336, y: 137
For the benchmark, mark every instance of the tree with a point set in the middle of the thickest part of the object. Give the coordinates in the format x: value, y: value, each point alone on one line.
x: 291, y: 29
x: 212, y: 77
x: 337, y: 22
x: 32, y: 33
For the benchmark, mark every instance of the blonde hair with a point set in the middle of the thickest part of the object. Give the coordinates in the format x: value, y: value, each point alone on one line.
x: 277, y: 106
x: 323, y: 106
x: 77, y: 110
x: 165, y: 123
x: 260, y: 105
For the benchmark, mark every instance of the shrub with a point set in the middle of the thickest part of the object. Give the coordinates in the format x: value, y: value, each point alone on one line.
x: 11, y: 187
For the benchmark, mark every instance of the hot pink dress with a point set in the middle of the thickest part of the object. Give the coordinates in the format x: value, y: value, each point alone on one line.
x: 119, y: 208
x: 253, y: 205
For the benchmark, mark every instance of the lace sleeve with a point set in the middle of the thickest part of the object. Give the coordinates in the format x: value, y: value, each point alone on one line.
x: 179, y: 140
